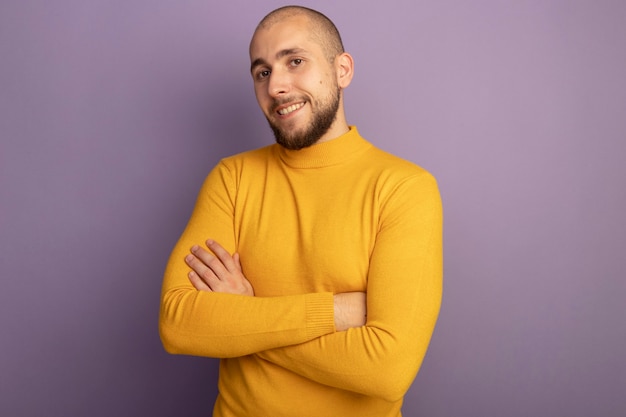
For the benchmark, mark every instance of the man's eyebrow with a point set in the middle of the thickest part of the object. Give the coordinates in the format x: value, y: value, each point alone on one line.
x: 280, y: 54
x: 257, y: 62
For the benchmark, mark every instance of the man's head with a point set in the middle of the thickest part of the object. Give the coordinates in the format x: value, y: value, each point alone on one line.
x: 322, y: 30
x: 299, y: 70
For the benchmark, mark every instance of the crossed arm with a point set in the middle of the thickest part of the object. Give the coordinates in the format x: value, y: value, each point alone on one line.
x: 304, y: 333
x: 221, y: 272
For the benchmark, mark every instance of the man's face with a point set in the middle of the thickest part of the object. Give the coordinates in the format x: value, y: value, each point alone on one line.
x: 294, y: 83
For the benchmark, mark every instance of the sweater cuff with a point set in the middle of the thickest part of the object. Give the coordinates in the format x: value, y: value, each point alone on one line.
x: 320, y: 314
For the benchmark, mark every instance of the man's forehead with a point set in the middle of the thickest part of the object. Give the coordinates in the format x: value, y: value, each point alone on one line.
x: 268, y: 43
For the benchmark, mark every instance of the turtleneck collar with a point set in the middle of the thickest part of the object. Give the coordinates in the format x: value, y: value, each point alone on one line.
x: 332, y: 152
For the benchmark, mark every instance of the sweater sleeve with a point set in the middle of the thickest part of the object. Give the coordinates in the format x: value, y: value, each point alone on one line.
x: 224, y: 325
x: 382, y: 358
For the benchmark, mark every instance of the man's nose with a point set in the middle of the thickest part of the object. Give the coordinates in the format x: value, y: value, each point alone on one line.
x: 280, y: 83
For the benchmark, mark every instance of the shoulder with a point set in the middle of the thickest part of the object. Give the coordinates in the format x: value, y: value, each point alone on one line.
x: 393, y: 168
x: 230, y: 170
x: 249, y: 157
x: 400, y: 185
x: 405, y: 190
x: 248, y: 161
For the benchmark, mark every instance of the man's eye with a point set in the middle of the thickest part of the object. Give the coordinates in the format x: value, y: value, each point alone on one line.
x: 295, y: 62
x: 263, y: 74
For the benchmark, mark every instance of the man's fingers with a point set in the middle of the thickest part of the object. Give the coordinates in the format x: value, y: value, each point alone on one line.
x: 237, y: 261
x: 200, y: 271
x: 209, y: 260
x: 222, y: 254
x: 217, y: 271
x: 197, y: 282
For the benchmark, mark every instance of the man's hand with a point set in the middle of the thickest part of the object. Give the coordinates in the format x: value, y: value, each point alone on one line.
x: 350, y: 310
x: 218, y: 273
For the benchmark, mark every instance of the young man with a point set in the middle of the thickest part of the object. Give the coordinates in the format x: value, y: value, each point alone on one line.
x: 321, y: 283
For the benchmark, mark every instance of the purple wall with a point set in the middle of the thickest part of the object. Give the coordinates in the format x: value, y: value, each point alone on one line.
x: 112, y: 112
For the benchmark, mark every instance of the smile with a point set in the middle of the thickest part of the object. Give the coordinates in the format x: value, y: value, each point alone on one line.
x: 290, y: 109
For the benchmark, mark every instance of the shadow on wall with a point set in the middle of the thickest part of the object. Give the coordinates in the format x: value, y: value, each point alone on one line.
x: 225, y: 119
x: 234, y: 122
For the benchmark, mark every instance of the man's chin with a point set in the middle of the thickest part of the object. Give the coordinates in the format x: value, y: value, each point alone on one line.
x: 294, y: 144
x: 294, y: 141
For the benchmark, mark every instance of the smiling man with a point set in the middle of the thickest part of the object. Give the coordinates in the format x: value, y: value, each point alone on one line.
x: 298, y: 88
x: 320, y: 284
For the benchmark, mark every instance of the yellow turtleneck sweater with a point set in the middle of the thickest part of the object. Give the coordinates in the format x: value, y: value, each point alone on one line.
x: 338, y: 216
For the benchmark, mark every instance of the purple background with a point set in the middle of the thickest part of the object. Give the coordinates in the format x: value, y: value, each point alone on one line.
x: 112, y: 112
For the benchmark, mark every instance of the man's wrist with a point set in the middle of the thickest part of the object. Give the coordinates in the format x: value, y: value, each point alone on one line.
x: 350, y: 310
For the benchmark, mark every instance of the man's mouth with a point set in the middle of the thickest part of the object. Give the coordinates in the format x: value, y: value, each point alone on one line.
x: 290, y: 109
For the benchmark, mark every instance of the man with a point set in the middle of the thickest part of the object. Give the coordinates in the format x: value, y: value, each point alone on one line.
x: 321, y: 283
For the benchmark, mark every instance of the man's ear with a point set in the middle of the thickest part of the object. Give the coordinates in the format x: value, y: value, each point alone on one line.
x: 345, y: 69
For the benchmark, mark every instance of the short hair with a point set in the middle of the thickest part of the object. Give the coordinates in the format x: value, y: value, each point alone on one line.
x: 323, y: 29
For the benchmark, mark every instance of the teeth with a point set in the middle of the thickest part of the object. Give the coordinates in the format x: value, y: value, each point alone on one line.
x: 290, y: 109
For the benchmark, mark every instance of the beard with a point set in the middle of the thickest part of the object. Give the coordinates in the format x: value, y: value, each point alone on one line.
x: 323, y: 119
